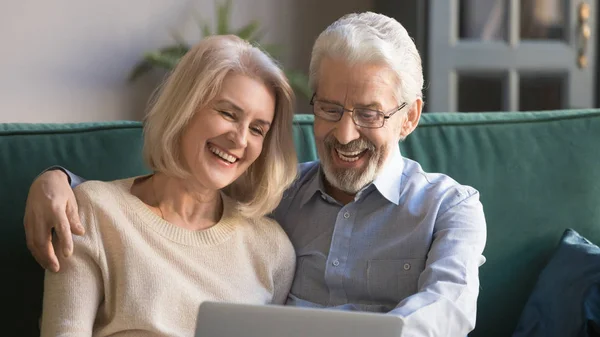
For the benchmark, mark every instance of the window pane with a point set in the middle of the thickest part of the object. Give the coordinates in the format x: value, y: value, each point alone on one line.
x: 481, y: 92
x: 541, y: 92
x: 483, y: 19
x: 543, y: 19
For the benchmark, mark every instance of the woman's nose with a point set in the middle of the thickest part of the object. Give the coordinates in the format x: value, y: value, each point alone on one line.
x: 239, y: 136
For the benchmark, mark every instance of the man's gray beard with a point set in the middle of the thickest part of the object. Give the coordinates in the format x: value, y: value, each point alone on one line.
x: 350, y: 180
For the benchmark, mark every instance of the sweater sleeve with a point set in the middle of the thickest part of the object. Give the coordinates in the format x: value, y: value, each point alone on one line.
x: 284, y: 270
x: 72, y: 296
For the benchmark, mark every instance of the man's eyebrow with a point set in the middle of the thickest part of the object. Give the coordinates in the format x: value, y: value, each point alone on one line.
x: 371, y: 105
x: 325, y: 100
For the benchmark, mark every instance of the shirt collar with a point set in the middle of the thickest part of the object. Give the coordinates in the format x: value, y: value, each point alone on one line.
x: 315, y: 185
x: 387, y: 181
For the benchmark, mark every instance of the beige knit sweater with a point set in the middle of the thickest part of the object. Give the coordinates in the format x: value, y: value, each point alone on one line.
x: 134, y: 274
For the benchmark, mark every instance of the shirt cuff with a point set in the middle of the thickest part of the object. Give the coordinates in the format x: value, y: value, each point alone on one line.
x: 74, y: 179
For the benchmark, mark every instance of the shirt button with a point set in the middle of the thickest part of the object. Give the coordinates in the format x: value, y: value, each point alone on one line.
x: 336, y: 263
x: 406, y: 266
x: 346, y: 215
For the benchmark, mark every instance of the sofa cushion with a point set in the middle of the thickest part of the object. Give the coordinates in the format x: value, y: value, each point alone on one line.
x: 566, y: 298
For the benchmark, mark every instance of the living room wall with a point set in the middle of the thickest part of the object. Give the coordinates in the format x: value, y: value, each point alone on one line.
x: 68, y: 60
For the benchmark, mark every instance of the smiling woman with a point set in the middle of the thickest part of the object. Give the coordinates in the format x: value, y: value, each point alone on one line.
x: 233, y: 130
x: 243, y: 83
x: 218, y: 138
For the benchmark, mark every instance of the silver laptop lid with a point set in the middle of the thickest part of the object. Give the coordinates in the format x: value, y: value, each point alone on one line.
x: 232, y: 320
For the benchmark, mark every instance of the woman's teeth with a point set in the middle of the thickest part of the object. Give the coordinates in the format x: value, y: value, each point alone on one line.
x: 229, y: 158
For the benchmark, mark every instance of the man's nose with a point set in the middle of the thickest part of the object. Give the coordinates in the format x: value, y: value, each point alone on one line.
x: 345, y: 129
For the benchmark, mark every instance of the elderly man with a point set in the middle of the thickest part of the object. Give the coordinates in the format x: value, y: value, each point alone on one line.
x: 372, y: 231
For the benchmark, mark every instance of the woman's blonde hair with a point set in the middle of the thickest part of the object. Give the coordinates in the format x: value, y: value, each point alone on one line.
x: 194, y: 83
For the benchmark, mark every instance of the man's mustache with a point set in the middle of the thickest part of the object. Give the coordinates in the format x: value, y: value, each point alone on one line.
x: 355, y: 145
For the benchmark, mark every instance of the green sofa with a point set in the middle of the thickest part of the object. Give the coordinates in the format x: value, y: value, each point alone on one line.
x: 538, y: 173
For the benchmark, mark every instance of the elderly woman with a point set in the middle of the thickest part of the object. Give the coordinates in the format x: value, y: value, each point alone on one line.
x: 218, y: 139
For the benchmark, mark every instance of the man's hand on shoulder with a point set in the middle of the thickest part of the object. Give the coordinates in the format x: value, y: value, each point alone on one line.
x: 51, y: 205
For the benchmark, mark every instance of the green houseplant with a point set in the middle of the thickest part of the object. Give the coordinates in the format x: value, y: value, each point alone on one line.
x: 167, y: 57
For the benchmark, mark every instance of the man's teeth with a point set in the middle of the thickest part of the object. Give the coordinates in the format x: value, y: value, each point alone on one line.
x: 349, y: 156
x: 231, y: 159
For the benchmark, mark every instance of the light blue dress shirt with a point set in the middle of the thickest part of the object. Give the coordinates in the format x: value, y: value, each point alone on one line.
x: 410, y: 244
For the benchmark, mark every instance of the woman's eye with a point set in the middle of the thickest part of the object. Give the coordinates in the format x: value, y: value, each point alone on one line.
x: 226, y: 114
x: 257, y: 131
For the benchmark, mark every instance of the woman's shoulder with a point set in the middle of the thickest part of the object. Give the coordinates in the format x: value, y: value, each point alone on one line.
x: 256, y: 231
x: 95, y: 190
x: 263, y: 224
x: 96, y: 194
x: 274, y: 243
x: 104, y: 202
x: 268, y: 232
x: 266, y: 224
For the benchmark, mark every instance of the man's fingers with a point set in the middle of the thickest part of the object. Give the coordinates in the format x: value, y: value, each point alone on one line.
x: 63, y: 231
x: 29, y: 237
x: 73, y: 216
x: 41, y: 248
x: 48, y: 253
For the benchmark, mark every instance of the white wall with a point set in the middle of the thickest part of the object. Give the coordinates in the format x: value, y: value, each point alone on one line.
x: 68, y: 60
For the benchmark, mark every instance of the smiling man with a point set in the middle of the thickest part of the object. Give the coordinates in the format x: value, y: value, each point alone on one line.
x: 372, y: 231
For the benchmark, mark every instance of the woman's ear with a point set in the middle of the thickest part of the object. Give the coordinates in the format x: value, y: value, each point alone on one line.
x: 412, y: 118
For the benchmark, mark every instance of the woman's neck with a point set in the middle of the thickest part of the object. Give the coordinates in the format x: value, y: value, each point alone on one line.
x: 179, y: 202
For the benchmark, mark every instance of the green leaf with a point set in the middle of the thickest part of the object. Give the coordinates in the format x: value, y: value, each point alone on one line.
x: 206, y: 30
x: 249, y: 31
x: 162, y: 60
x: 140, y: 69
x: 166, y: 58
x: 299, y: 82
x: 202, y: 24
x: 175, y: 52
x: 258, y: 36
x: 223, y: 14
x: 176, y: 35
x: 275, y: 51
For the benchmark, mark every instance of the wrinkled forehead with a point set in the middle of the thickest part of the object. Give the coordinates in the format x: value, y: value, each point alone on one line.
x: 357, y: 84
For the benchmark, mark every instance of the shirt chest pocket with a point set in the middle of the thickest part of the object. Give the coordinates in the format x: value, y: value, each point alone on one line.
x: 393, y: 280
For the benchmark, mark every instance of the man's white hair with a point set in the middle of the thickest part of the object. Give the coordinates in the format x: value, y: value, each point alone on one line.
x: 371, y: 38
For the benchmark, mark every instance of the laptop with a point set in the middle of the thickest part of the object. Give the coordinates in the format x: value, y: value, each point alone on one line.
x: 232, y: 320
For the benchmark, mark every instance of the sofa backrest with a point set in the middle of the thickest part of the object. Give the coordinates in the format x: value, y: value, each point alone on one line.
x: 95, y: 150
x: 537, y: 173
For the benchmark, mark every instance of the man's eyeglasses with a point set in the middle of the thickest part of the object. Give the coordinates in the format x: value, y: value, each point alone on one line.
x: 366, y: 118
